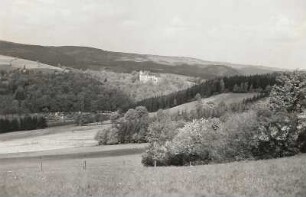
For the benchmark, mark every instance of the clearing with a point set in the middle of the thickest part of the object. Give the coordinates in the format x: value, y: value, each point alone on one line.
x: 7, y: 63
x: 227, y: 98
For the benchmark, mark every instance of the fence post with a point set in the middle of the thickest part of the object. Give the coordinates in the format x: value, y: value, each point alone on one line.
x: 84, y: 165
x: 154, y: 163
x: 41, y: 165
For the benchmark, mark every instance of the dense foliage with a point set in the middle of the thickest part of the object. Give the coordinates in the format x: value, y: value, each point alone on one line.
x: 9, y: 124
x: 65, y: 92
x: 130, y: 128
x: 283, y: 130
x: 204, y: 141
x: 255, y: 83
x: 160, y: 132
x: 274, y: 129
x: 130, y: 84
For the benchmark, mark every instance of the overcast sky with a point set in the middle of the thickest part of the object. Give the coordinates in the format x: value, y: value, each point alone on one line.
x: 263, y: 32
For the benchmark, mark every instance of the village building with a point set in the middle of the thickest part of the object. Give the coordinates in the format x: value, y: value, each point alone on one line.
x: 146, y: 76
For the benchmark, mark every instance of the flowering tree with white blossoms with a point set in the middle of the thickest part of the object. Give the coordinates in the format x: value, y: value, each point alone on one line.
x: 196, y: 142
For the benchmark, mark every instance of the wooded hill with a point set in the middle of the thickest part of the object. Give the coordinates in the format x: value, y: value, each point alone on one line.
x: 78, y: 91
x: 97, y: 59
x: 239, y: 84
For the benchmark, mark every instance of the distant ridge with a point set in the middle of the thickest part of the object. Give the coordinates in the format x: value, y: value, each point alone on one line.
x: 80, y: 57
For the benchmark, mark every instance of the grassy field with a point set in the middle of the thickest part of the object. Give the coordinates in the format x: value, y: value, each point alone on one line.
x: 48, y: 139
x: 20, y: 63
x: 125, y: 176
x: 227, y: 98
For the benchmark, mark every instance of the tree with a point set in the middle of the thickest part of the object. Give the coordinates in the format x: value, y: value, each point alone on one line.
x: 236, y: 88
x: 142, y: 124
x: 289, y: 92
x: 160, y: 131
x: 20, y: 95
x: 222, y: 86
x: 284, y: 129
x: 277, y: 135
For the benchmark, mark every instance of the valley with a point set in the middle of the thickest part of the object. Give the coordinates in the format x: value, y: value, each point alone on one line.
x: 175, y: 98
x: 81, y: 121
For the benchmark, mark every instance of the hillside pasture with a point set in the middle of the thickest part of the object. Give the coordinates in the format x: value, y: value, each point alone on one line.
x: 12, y: 63
x: 227, y: 98
x: 125, y: 176
x: 49, y: 139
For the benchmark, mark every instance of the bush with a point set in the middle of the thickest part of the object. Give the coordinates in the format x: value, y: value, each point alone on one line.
x: 277, y: 135
x: 194, y: 142
x: 131, y: 128
x: 212, y: 141
x: 204, y: 141
x: 288, y: 101
x: 160, y: 132
x: 107, y: 136
x: 239, y: 130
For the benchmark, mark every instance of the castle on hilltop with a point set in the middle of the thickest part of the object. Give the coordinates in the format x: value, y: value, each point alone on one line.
x: 146, y: 76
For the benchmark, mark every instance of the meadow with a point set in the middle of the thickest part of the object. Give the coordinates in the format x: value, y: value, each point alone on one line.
x: 60, y: 137
x: 18, y: 63
x: 227, y: 98
x: 125, y: 176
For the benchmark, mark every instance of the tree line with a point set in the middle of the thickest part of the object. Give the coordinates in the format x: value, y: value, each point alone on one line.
x: 237, y: 84
x: 22, y: 123
x: 22, y: 93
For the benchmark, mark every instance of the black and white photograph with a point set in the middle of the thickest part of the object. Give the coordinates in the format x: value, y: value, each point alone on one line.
x: 153, y: 98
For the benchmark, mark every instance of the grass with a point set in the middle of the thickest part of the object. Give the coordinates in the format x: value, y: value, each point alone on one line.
x: 228, y: 98
x: 125, y: 176
x: 49, y: 139
x: 20, y: 63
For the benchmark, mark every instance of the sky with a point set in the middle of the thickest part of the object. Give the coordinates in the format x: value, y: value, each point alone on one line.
x: 260, y: 32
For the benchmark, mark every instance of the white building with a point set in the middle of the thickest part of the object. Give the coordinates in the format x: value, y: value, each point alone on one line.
x: 145, y: 76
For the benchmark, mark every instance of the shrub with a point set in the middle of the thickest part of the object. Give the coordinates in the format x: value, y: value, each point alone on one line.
x: 156, y: 152
x: 289, y: 97
x: 203, y: 141
x: 160, y: 132
x: 195, y: 142
x: 131, y: 128
x: 107, y: 136
x: 277, y: 135
x: 239, y: 130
